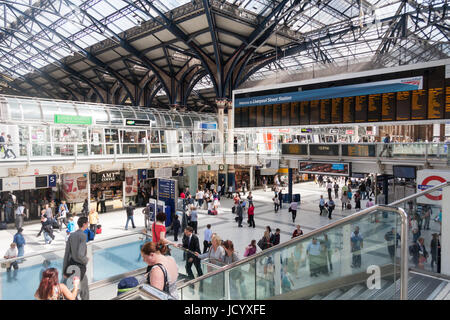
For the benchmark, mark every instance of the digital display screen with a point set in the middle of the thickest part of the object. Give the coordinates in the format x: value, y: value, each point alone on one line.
x: 403, y: 105
x: 419, y: 105
x: 388, y: 106
x: 260, y: 116
x: 314, y: 111
x: 328, y: 168
x: 348, y: 106
x: 252, y: 116
x: 276, y: 115
x: 435, y: 103
x: 285, y: 110
x: 304, y: 112
x: 336, y: 110
x: 325, y: 108
x: 237, y: 117
x: 41, y: 182
x: 406, y: 172
x: 268, y: 120
x: 361, y: 109
x: 374, y: 108
x: 295, y: 113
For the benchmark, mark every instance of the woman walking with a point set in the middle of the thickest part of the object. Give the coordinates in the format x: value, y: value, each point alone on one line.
x: 251, y: 215
x: 293, y: 210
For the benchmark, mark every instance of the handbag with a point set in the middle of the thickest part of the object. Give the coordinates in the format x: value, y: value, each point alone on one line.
x: 261, y: 243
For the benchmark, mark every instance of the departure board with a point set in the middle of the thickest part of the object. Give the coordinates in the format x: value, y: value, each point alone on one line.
x: 237, y: 117
x: 252, y: 116
x: 276, y: 115
x: 268, y: 115
x: 447, y: 103
x: 374, y: 108
x: 314, y: 111
x: 419, y: 105
x: 304, y: 112
x: 336, y: 110
x: 361, y: 109
x: 285, y: 110
x: 260, y: 116
x: 325, y: 109
x: 244, y: 117
x: 348, y: 107
x: 388, y: 106
x: 295, y: 113
x: 403, y: 105
x: 436, y: 103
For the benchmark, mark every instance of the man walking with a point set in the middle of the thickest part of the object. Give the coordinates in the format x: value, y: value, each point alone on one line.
x: 130, y: 213
x: 191, y: 242
x: 207, y: 238
x: 280, y: 198
x: 356, y: 241
x: 321, y: 204
x: 20, y: 211
x: 19, y: 240
x: 76, y: 256
x: 62, y: 214
x: 239, y: 212
x: 392, y: 238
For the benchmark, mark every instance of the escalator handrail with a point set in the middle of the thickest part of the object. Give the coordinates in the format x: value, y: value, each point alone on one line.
x: 403, y: 240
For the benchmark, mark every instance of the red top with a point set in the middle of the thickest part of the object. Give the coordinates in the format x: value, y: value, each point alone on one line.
x: 182, y: 195
x: 297, y: 233
x: 251, y: 211
x: 157, y: 229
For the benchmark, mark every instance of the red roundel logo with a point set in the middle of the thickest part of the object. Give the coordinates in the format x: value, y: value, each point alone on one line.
x: 433, y: 178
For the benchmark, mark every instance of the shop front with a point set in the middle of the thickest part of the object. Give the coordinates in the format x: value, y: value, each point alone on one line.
x: 242, y: 174
x: 207, y: 174
x: 32, y: 191
x: 74, y: 187
x: 111, y: 183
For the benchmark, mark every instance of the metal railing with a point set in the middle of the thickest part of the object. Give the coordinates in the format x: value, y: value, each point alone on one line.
x: 366, y: 212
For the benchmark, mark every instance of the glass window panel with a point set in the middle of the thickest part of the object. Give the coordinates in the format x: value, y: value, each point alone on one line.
x: 116, y: 117
x: 31, y: 110
x: 68, y: 108
x: 141, y: 115
x: 128, y: 114
x: 49, y: 109
x: 187, y: 122
x: 14, y: 109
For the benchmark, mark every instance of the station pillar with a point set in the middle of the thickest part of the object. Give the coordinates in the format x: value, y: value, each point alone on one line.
x: 290, y: 185
x: 445, y: 231
x: 221, y: 103
x: 230, y: 132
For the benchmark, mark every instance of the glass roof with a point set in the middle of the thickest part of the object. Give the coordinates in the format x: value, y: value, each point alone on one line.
x: 27, y: 41
x: 37, y: 33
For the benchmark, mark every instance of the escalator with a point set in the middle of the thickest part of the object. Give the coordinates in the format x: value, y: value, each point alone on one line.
x: 353, y: 258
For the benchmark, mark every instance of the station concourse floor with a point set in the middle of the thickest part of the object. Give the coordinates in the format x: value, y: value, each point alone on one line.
x: 223, y: 224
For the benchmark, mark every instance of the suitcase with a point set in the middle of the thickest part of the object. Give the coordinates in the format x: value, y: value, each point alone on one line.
x: 55, y: 224
x: 3, y: 225
x: 349, y: 206
x: 98, y: 231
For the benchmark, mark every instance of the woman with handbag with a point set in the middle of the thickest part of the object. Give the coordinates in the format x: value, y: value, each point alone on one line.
x: 51, y: 289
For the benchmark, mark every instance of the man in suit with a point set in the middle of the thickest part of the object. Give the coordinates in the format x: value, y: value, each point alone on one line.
x: 76, y: 256
x: 191, y: 242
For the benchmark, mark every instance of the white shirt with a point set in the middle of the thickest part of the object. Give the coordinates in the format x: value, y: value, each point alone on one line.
x: 213, y: 186
x: 199, y: 195
x: 19, y: 210
x: 11, y: 253
x: 329, y: 186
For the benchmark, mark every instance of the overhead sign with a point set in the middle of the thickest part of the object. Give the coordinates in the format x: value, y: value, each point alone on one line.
x: 427, y: 179
x: 334, y: 131
x: 52, y: 180
x: 362, y: 89
x: 11, y: 184
x: 305, y: 130
x: 71, y: 119
x: 207, y: 125
x: 135, y: 122
x: 110, y: 176
x: 326, y: 168
x: 349, y: 131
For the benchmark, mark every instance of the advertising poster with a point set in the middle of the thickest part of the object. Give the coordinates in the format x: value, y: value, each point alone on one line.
x: 131, y: 183
x: 75, y: 187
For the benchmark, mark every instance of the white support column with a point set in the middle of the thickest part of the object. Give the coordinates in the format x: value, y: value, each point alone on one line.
x: 90, y: 264
x: 436, y: 131
x: 221, y: 103
x: 252, y: 178
x: 89, y: 191
x: 445, y: 232
x: 346, y: 252
x: 277, y: 272
x: 230, y: 134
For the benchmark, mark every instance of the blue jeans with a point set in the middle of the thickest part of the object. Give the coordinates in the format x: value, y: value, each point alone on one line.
x: 132, y: 222
x: 47, y: 237
x: 20, y: 251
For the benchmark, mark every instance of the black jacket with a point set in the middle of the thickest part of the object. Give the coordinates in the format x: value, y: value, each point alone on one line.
x: 193, y: 246
x: 176, y: 225
x: 130, y: 211
x: 275, y: 239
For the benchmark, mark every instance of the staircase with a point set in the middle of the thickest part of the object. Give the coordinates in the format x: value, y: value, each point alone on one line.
x: 420, y: 287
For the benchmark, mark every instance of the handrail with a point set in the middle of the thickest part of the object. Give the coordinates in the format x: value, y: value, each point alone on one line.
x: 90, y: 243
x: 403, y: 240
x: 420, y: 194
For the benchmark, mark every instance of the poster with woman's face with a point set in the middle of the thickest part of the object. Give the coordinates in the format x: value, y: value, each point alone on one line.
x: 131, y: 183
x: 75, y: 187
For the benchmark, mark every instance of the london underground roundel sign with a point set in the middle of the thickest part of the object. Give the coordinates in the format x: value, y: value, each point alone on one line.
x: 424, y: 186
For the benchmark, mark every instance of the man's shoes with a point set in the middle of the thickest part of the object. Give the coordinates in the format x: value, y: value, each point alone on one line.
x: 134, y: 227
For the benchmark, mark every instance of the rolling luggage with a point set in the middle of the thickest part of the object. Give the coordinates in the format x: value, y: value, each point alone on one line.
x: 349, y: 206
x: 3, y: 225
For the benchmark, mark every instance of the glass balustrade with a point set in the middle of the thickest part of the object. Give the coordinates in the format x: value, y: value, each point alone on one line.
x: 346, y: 253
